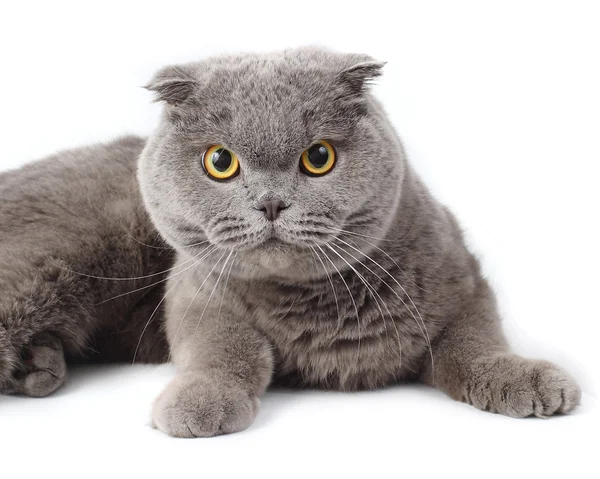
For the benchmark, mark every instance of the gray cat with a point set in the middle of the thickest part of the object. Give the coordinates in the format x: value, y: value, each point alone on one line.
x: 275, y: 235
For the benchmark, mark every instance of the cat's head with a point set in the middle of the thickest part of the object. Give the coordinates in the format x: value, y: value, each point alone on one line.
x: 270, y: 155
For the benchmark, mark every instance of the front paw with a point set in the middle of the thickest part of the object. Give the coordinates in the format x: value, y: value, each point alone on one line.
x: 520, y: 387
x: 199, y: 405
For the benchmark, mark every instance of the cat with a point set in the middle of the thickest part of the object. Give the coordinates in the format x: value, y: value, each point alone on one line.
x: 270, y: 231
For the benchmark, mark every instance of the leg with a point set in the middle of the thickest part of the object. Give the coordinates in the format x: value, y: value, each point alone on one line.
x: 74, y: 214
x: 43, y: 314
x: 224, y: 366
x: 47, y: 312
x: 473, y: 364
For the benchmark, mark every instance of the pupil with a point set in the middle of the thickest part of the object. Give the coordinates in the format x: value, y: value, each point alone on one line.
x: 318, y: 155
x: 221, y: 159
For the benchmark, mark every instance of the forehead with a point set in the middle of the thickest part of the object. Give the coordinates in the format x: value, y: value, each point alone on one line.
x: 279, y: 72
x: 271, y: 102
x: 268, y: 86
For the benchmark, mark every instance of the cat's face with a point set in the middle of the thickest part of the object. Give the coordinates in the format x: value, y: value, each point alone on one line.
x: 253, y: 117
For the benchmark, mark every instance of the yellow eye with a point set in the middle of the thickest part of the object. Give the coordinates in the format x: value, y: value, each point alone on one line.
x: 220, y: 163
x: 318, y: 159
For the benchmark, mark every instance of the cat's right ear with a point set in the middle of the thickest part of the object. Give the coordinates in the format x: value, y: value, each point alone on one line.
x: 173, y: 85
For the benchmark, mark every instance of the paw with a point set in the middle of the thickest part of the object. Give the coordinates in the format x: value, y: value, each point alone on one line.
x: 196, y: 405
x: 43, y: 368
x: 520, y: 387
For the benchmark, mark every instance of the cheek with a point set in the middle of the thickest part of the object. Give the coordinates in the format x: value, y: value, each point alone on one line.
x: 220, y: 201
x: 356, y: 182
x: 364, y: 181
x: 332, y: 196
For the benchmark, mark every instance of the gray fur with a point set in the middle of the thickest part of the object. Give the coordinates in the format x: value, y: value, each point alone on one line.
x: 250, y: 302
x: 77, y: 212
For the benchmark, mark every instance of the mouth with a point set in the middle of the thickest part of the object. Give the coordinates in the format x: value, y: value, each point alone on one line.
x: 274, y: 237
x: 275, y: 244
x: 274, y: 240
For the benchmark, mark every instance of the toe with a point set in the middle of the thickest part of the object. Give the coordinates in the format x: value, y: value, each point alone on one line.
x: 39, y: 384
x: 44, y: 371
x: 523, y: 387
x: 239, y: 415
x: 557, y: 392
x: 571, y: 397
x: 194, y: 405
x: 47, y: 359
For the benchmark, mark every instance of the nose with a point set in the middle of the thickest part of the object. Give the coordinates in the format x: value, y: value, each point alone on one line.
x: 272, y: 207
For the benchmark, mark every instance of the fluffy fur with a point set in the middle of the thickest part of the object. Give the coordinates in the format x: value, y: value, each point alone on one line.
x: 362, y: 281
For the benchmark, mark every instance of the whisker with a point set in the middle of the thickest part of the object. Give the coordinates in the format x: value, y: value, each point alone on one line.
x: 423, y: 328
x: 191, y: 302
x: 393, y: 260
x: 349, y: 292
x: 388, y: 273
x: 337, y: 307
x: 288, y: 310
x: 141, y: 242
x: 162, y: 280
x: 226, y: 283
x: 376, y: 296
x: 374, y: 292
x: 358, y: 234
x: 212, y: 292
x: 133, y: 278
x: 312, y: 257
x: 148, y: 245
x: 150, y: 319
x: 370, y: 288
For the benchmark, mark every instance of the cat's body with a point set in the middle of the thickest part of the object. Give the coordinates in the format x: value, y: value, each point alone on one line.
x: 78, y: 212
x: 302, y: 317
x: 353, y: 279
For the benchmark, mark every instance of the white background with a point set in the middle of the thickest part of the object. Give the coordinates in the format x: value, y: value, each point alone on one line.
x: 498, y: 104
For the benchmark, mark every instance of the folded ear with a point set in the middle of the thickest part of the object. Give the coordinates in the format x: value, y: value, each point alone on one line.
x: 358, y: 76
x: 173, y: 84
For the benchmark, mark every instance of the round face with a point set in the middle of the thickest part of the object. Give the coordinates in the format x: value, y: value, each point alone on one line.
x: 271, y: 157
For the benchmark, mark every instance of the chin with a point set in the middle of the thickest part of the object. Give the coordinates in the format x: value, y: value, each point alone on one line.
x: 276, y: 257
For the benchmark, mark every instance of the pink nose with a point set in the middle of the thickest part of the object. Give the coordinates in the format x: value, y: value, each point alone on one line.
x: 272, y: 208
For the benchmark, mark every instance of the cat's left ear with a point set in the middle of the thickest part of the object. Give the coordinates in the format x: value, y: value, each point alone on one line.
x: 173, y: 84
x: 360, y: 75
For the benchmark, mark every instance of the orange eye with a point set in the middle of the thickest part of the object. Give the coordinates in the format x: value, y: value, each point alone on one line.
x: 220, y: 163
x: 318, y: 159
